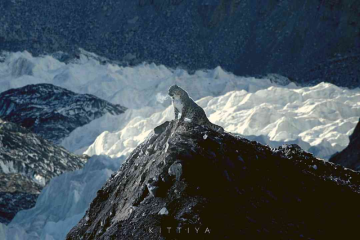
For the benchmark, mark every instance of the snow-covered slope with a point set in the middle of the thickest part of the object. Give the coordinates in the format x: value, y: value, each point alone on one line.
x: 52, y: 112
x: 142, y: 88
x: 318, y: 118
x: 23, y: 152
x: 62, y: 203
x: 132, y: 87
x: 27, y: 163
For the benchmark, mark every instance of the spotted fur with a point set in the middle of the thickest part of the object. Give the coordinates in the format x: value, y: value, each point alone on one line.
x: 186, y: 109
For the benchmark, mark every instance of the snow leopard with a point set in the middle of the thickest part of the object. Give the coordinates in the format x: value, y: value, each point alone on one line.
x: 187, y: 110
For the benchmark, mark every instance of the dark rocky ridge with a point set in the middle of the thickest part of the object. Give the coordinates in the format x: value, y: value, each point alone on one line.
x: 52, y: 112
x: 17, y: 192
x: 309, y: 41
x: 350, y: 156
x: 238, y: 189
x: 27, y: 163
x: 13, y: 202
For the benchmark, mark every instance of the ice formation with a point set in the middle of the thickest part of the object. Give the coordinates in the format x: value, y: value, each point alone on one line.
x: 319, y: 118
x: 62, y: 203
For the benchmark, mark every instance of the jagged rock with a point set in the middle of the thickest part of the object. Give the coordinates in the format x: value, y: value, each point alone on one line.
x: 231, y: 188
x: 27, y: 163
x: 17, y: 192
x: 28, y: 154
x: 157, y: 186
x: 52, y: 112
x: 153, y: 186
x: 16, y: 182
x: 350, y: 156
x: 13, y: 202
x: 176, y: 170
x: 164, y: 211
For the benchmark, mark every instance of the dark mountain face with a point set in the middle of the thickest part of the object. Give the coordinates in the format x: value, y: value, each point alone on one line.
x: 51, y: 111
x: 313, y: 40
x: 27, y: 163
x: 17, y: 192
x: 189, y: 182
x: 350, y: 156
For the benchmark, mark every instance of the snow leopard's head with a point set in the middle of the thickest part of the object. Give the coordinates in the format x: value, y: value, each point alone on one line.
x: 177, y: 91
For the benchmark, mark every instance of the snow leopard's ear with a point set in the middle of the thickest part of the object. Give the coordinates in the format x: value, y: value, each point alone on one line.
x: 171, y: 90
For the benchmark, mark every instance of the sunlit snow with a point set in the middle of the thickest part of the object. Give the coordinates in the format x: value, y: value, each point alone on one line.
x: 278, y: 114
x: 319, y: 118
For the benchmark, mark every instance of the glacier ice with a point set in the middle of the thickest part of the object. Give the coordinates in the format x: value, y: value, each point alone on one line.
x: 275, y: 114
x: 320, y: 117
x: 62, y: 203
x: 132, y: 87
x: 142, y: 88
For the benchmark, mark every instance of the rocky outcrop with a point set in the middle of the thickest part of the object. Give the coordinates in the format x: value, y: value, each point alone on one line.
x: 27, y: 163
x: 308, y: 41
x: 17, y: 192
x: 13, y: 202
x: 52, y: 112
x: 350, y: 156
x: 189, y: 182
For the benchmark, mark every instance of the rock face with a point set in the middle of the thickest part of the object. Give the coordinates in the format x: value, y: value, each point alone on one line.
x: 179, y: 184
x: 313, y: 40
x: 11, y: 203
x: 52, y: 112
x: 350, y: 156
x: 27, y: 163
x: 17, y: 192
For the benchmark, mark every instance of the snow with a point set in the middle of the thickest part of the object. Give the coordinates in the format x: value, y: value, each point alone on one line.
x: 3, y: 229
x: 7, y: 167
x: 40, y: 179
x: 270, y: 110
x: 132, y: 87
x: 319, y: 118
x: 62, y: 203
x: 273, y: 116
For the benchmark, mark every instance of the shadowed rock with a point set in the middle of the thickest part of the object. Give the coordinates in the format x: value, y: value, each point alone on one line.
x: 309, y: 41
x: 27, y: 164
x: 350, y: 156
x: 51, y: 111
x: 230, y: 188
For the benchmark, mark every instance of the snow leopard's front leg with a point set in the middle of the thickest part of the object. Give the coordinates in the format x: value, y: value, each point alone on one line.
x: 176, y: 113
x: 184, y: 114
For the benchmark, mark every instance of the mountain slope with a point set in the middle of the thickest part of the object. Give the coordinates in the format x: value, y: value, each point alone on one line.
x: 63, y: 202
x: 17, y: 192
x: 350, y: 156
x: 52, y: 112
x: 319, y: 118
x: 305, y: 40
x: 244, y: 105
x: 27, y: 163
x: 186, y: 176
